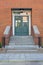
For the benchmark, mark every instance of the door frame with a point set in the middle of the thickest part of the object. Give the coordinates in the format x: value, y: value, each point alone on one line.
x: 13, y: 22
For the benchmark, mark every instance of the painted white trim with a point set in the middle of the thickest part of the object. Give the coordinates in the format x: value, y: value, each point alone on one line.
x: 13, y: 24
x: 7, y: 29
x: 13, y: 20
x: 29, y: 24
x: 35, y: 28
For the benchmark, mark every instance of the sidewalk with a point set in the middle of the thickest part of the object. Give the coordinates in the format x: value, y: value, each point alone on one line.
x: 23, y: 57
x: 21, y: 63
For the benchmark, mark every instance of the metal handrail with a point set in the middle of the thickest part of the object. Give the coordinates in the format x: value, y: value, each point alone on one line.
x: 37, y: 36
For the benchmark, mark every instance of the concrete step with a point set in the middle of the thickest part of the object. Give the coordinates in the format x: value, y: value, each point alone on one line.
x: 16, y: 37
x: 22, y: 47
x: 23, y: 57
x: 22, y: 51
x: 21, y: 40
x: 21, y: 43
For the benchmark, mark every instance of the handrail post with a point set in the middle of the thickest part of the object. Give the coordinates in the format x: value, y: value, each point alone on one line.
x: 3, y: 42
x: 39, y: 41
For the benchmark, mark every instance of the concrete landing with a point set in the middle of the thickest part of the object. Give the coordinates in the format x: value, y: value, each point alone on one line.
x: 16, y: 57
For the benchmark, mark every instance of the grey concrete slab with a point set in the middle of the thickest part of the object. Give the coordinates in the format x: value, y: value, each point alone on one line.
x: 22, y: 47
x: 3, y: 57
x: 21, y: 57
x: 21, y: 63
x: 27, y: 57
x: 21, y: 40
x: 33, y: 63
x: 21, y: 51
x: 14, y: 57
x: 13, y: 63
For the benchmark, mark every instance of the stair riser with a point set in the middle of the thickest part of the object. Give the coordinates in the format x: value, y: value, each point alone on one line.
x: 25, y: 48
x: 21, y: 44
x: 21, y: 49
x: 16, y: 51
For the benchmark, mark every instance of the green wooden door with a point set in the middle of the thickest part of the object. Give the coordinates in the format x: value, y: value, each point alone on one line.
x: 21, y: 27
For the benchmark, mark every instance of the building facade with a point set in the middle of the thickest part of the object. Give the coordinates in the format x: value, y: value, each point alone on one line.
x: 21, y: 15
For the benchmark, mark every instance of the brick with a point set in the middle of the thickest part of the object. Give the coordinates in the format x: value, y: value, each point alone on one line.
x: 5, y: 12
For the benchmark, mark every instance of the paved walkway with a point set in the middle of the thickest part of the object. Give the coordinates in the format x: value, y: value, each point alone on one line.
x: 21, y: 57
x: 21, y: 63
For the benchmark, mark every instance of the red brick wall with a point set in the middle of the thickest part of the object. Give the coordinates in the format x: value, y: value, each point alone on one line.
x: 5, y: 12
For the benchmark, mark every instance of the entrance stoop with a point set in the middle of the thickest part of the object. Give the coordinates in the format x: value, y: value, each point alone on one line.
x: 22, y: 44
x: 22, y: 53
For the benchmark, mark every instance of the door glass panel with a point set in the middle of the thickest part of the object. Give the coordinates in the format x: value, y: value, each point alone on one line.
x: 18, y: 23
x: 24, y: 19
x: 22, y: 25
